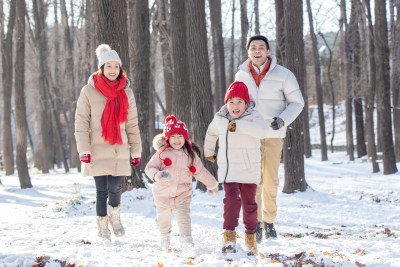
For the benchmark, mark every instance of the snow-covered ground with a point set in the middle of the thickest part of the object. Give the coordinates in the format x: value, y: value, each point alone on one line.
x: 348, y: 217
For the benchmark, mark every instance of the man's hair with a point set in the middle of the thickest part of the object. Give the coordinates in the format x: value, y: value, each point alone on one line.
x: 257, y: 37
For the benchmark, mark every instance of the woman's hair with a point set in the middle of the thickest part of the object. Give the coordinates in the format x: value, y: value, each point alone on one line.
x: 121, y: 71
x: 191, y: 155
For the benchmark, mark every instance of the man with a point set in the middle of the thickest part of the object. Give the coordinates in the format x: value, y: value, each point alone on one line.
x: 279, y: 100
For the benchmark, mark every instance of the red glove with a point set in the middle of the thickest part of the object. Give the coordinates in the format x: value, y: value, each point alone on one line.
x: 85, y: 158
x: 135, y: 162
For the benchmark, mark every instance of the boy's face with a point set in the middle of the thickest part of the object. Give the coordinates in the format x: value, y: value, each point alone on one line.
x: 236, y: 106
x: 176, y: 141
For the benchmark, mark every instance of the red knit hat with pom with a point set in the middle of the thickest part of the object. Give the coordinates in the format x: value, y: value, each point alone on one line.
x: 238, y: 89
x: 175, y: 126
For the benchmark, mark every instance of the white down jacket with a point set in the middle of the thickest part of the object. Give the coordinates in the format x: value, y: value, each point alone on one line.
x: 239, y: 154
x: 278, y: 95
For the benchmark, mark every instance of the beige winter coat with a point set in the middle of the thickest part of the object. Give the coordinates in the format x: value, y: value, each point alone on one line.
x: 170, y: 194
x: 239, y: 154
x: 278, y: 95
x: 106, y: 159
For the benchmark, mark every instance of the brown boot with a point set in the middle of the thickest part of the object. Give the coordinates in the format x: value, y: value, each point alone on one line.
x: 115, y: 220
x: 229, y: 242
x: 251, y: 244
x: 102, y: 225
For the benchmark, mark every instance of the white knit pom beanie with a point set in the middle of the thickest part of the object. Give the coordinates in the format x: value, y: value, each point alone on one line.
x: 105, y: 54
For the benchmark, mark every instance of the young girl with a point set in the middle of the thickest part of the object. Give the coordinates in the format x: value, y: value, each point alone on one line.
x: 107, y: 134
x: 239, y: 129
x: 172, y: 168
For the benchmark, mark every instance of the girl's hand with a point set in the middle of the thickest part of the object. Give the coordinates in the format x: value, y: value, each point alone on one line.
x: 162, y: 176
x: 213, y: 190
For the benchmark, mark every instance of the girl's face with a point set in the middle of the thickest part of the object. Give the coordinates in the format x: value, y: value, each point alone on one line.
x: 176, y: 141
x: 236, y: 107
x: 111, y: 70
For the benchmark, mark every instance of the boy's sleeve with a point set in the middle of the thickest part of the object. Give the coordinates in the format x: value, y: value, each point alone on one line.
x: 153, y: 166
x: 256, y: 126
x: 211, y: 139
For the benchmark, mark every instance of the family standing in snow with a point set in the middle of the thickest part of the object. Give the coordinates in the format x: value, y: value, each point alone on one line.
x: 250, y: 127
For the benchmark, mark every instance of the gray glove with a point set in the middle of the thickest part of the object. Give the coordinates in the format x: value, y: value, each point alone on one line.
x: 277, y: 123
x: 163, y: 176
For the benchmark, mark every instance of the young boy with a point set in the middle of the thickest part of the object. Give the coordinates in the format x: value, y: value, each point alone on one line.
x: 239, y: 128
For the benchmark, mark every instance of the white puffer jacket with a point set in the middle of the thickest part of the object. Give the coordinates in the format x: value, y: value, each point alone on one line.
x: 239, y: 154
x: 278, y: 95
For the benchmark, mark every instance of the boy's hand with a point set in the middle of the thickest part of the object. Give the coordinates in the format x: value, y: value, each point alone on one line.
x: 211, y: 158
x: 232, y: 126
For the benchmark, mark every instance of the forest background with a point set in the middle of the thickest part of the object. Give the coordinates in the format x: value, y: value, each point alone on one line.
x: 181, y: 56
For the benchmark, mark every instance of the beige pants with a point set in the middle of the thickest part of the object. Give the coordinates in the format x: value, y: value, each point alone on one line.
x: 182, y: 216
x: 271, y: 149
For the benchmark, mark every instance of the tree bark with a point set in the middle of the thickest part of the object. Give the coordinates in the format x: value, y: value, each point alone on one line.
x: 7, y: 75
x: 395, y: 79
x: 199, y: 73
x: 244, y: 26
x: 317, y: 79
x: 232, y: 55
x: 294, y: 61
x: 280, y: 31
x: 257, y: 18
x: 20, y: 108
x: 383, y: 87
x: 181, y: 100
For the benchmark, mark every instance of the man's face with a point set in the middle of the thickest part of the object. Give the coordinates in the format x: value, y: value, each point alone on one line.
x: 258, y: 52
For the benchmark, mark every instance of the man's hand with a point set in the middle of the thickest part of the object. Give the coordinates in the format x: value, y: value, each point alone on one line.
x: 85, y: 158
x: 277, y: 123
x: 135, y: 162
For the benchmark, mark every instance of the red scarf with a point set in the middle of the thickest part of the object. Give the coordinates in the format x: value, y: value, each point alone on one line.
x: 116, y: 110
x: 257, y: 78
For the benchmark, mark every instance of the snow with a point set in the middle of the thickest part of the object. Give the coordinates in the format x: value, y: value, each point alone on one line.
x: 348, y: 216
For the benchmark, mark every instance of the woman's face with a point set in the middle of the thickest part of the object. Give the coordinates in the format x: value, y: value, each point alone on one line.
x: 111, y: 70
x: 176, y: 141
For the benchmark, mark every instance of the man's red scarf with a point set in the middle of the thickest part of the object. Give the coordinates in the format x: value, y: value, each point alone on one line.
x: 116, y: 109
x: 258, y: 77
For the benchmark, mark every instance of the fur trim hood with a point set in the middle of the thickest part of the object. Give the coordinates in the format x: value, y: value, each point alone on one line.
x: 159, y: 142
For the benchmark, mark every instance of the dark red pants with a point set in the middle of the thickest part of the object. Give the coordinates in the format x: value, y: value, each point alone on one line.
x: 236, y: 196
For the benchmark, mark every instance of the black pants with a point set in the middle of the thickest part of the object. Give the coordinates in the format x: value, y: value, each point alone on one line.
x: 107, y: 186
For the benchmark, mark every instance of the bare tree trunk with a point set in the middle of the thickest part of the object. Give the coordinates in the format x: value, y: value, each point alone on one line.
x: 219, y: 54
x: 294, y: 48
x: 164, y: 33
x: 257, y: 17
x: 317, y: 79
x: 7, y: 67
x: 395, y: 79
x: 232, y: 56
x: 370, y: 99
x: 280, y: 31
x: 383, y: 86
x: 141, y: 75
x: 199, y: 73
x: 244, y: 26
x: 182, y: 99
x: 20, y: 108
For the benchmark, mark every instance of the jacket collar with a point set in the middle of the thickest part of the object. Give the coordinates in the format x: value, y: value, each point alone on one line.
x: 245, y: 65
x: 223, y: 112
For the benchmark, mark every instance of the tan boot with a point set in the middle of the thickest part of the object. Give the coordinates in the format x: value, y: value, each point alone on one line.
x: 251, y: 244
x: 229, y: 242
x: 115, y: 220
x: 102, y: 225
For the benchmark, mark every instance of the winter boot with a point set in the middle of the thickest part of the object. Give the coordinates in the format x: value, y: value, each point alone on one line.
x: 269, y: 230
x: 165, y: 242
x: 115, y: 220
x: 251, y: 244
x: 102, y: 225
x: 259, y: 233
x: 187, y: 244
x: 229, y: 241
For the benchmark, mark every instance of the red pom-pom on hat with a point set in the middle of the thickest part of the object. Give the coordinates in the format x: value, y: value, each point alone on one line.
x: 192, y: 169
x: 170, y: 117
x: 167, y: 162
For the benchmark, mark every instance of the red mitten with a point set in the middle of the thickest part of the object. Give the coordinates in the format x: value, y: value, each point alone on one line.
x: 135, y: 162
x: 84, y: 158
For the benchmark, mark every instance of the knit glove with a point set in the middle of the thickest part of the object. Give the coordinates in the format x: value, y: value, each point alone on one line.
x: 85, y: 158
x: 232, y: 126
x: 213, y: 190
x: 135, y: 162
x: 162, y: 176
x: 211, y: 158
x: 277, y: 123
